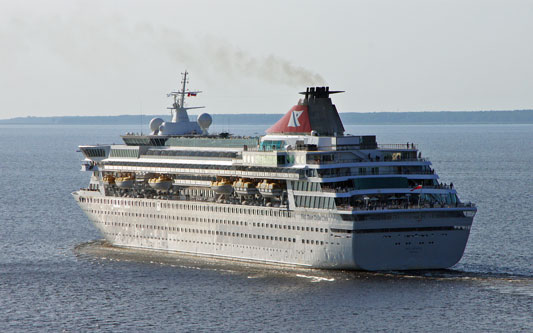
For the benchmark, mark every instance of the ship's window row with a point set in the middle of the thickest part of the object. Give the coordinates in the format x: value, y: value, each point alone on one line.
x: 119, y: 152
x: 388, y: 230
x: 191, y: 207
x: 218, y: 233
x: 210, y: 220
x: 365, y: 171
x: 306, y: 186
x: 320, y: 158
x: 314, y: 202
x: 304, y: 241
x: 202, y: 168
x: 402, y: 215
x: 168, y: 152
x: 290, y: 227
x: 93, y: 152
x: 322, y: 173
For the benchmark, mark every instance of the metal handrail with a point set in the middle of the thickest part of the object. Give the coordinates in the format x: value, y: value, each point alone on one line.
x: 412, y: 206
x: 410, y: 146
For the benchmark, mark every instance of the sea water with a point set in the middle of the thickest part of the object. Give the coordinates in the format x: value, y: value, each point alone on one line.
x: 56, y: 274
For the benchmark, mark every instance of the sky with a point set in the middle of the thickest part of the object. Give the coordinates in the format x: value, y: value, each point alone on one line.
x: 113, y: 57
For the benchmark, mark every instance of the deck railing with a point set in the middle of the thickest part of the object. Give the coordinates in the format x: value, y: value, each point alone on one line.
x: 410, y: 146
x: 348, y: 174
x: 400, y: 206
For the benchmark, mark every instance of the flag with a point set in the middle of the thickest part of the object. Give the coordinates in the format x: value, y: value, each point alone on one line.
x: 417, y: 187
x: 191, y: 94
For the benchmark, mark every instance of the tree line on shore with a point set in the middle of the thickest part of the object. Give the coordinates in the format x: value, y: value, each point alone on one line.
x: 348, y: 118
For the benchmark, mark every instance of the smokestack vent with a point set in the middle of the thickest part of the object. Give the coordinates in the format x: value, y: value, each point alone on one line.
x: 318, y: 92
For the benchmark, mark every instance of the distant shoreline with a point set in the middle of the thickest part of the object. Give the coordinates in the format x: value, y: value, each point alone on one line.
x: 348, y: 118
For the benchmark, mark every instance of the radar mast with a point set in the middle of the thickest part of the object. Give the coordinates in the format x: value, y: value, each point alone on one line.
x: 178, y: 109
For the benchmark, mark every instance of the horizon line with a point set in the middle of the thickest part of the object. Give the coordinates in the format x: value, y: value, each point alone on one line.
x: 262, y: 114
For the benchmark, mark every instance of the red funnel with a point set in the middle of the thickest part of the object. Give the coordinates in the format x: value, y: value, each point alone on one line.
x: 294, y: 121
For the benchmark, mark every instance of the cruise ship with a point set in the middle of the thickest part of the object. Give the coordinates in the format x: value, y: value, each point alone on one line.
x: 305, y: 194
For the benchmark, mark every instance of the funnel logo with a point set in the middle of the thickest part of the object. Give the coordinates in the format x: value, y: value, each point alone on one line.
x: 293, y: 120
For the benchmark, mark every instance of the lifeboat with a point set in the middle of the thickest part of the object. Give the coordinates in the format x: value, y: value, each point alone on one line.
x: 125, y: 182
x: 269, y: 189
x: 222, y: 187
x: 161, y: 183
x: 243, y: 187
x: 109, y: 180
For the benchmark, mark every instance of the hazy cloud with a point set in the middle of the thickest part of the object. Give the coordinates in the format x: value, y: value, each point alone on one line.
x: 111, y: 43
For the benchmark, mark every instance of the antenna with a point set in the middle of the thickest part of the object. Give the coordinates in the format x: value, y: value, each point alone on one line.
x: 184, y: 82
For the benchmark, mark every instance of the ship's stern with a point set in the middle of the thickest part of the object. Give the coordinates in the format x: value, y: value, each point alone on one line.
x: 435, y: 247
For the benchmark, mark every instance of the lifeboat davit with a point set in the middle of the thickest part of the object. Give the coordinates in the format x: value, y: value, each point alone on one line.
x: 109, y: 180
x: 161, y: 183
x: 222, y: 187
x: 243, y: 187
x: 125, y: 182
x: 269, y: 189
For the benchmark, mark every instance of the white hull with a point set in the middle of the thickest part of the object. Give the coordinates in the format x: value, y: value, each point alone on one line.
x: 232, y: 232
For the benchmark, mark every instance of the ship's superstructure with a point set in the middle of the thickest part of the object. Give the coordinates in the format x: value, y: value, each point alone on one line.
x: 305, y: 194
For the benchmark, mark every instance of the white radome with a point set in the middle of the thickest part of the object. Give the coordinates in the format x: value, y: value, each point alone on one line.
x: 204, y: 120
x: 154, y: 124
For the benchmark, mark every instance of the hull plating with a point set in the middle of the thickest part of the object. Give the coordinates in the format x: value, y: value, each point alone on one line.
x: 273, y: 240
